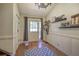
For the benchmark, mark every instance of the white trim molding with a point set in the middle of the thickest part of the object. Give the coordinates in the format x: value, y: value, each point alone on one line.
x: 6, y: 37
x: 67, y: 35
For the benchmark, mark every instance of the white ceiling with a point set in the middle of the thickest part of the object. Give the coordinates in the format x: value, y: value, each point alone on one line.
x: 30, y: 10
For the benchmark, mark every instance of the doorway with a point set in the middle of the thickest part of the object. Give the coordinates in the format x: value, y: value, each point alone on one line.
x: 33, y: 29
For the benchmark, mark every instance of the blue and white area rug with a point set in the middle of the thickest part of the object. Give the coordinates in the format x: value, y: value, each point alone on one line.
x: 43, y: 51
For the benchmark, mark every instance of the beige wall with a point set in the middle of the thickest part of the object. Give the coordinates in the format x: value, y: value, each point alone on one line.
x: 6, y: 27
x: 18, y: 28
x: 15, y: 27
x: 64, y: 39
x: 21, y: 29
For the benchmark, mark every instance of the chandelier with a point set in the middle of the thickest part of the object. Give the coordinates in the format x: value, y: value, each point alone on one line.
x: 42, y: 5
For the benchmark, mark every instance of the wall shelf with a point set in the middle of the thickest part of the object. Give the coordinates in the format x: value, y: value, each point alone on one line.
x: 71, y: 26
x: 59, y: 20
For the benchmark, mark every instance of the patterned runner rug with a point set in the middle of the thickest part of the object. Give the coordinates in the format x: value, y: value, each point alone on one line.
x: 43, y: 51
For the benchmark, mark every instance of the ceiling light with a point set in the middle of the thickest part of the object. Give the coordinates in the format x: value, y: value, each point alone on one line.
x: 42, y: 5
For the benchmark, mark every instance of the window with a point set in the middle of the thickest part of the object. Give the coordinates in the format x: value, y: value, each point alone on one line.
x: 33, y: 26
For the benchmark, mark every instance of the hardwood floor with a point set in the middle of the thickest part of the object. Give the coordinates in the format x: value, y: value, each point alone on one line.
x: 22, y: 48
x: 4, y: 53
x: 55, y: 50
